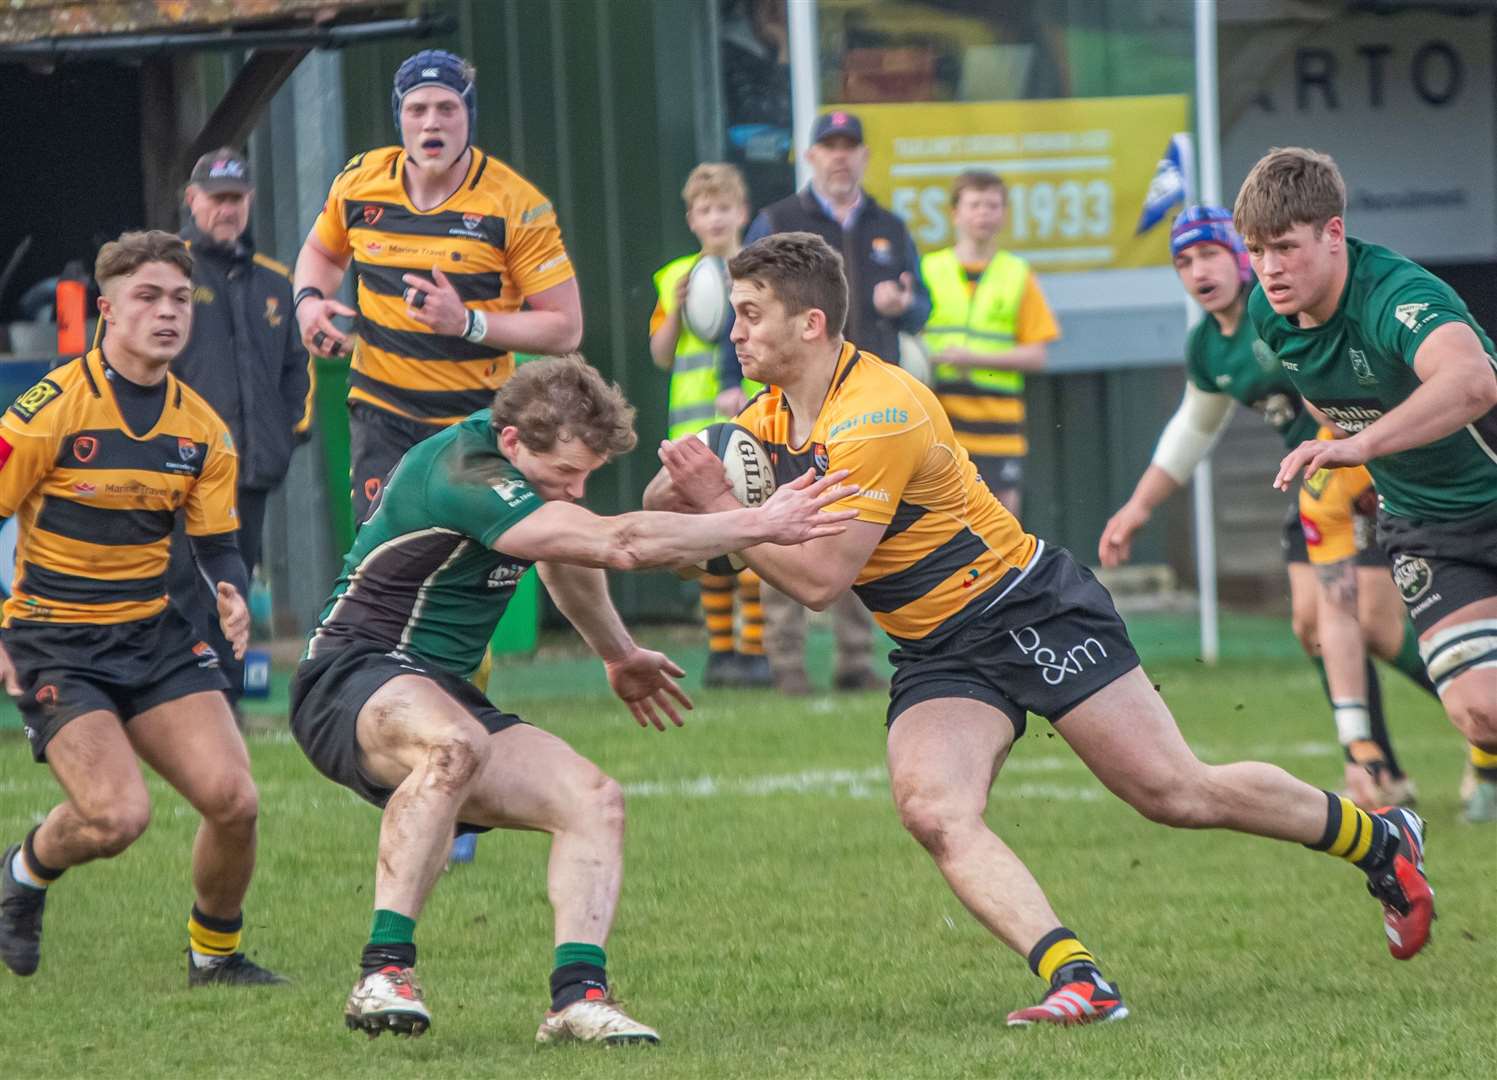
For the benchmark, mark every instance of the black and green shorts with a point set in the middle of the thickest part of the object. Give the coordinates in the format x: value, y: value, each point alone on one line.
x: 68, y: 669
x: 1441, y: 566
x: 329, y: 690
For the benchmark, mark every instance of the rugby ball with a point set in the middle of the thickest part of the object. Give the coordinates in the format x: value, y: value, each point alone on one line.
x: 708, y: 304
x: 914, y: 357
x: 750, y: 475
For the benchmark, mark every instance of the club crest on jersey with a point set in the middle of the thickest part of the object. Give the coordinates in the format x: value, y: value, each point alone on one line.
x: 473, y: 221
x: 372, y: 214
x: 882, y: 250
x: 273, y: 311
x: 819, y: 460
x: 187, y: 450
x: 85, y: 448
x: 1360, y: 365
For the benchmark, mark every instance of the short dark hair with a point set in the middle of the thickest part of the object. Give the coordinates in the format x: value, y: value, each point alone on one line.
x: 134, y: 249
x: 559, y: 398
x: 977, y: 180
x: 802, y: 270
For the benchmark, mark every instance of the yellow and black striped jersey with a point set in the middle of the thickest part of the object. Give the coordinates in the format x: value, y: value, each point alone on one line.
x: 95, y: 504
x: 947, y: 540
x: 496, y: 238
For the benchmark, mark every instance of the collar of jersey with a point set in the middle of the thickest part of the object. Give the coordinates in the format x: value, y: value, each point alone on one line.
x: 405, y: 196
x: 94, y: 362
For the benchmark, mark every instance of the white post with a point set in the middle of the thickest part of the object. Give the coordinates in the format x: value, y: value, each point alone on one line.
x: 1208, y: 155
x: 805, y: 80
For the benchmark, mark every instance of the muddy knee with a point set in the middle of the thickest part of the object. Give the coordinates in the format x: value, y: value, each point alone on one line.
x: 454, y: 759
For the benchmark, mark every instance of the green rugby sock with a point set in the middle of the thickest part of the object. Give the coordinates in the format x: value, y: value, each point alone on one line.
x: 1410, y: 662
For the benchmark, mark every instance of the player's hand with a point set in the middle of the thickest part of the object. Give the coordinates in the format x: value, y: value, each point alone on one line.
x: 8, y: 673
x: 435, y: 304
x: 795, y: 514
x: 1308, y: 457
x: 699, y: 483
x: 681, y: 290
x: 233, y: 618
x: 1116, y: 546
x: 893, y: 298
x: 318, y: 334
x: 730, y: 402
x: 645, y: 681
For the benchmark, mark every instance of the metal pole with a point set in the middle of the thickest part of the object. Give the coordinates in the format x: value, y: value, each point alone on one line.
x: 1208, y: 157
x: 805, y: 80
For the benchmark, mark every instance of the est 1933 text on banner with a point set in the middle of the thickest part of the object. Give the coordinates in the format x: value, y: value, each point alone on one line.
x: 1076, y: 170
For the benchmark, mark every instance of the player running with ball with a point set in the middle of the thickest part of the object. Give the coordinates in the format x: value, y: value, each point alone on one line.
x: 990, y: 622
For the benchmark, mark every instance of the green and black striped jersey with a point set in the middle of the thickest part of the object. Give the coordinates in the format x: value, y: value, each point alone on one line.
x: 423, y: 576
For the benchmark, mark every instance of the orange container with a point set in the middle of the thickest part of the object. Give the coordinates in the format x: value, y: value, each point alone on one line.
x: 72, y: 316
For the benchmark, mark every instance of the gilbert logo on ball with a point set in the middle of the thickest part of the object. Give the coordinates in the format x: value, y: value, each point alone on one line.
x: 749, y: 473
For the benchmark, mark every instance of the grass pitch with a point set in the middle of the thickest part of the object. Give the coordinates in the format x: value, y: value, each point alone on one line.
x: 777, y: 922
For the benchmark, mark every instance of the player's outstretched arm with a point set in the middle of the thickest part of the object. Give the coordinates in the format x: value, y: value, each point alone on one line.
x: 1459, y: 386
x: 643, y: 679
x: 565, y: 532
x: 1186, y: 440
x: 815, y: 572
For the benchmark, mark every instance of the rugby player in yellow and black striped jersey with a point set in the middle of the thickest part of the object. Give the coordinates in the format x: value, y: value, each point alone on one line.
x: 96, y: 461
x: 448, y: 244
x: 990, y: 623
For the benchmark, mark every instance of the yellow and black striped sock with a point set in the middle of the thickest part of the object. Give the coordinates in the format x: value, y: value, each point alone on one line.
x: 1055, y: 950
x: 1365, y: 840
x: 750, y: 615
x: 717, y: 606
x: 209, y: 936
x: 1484, y: 763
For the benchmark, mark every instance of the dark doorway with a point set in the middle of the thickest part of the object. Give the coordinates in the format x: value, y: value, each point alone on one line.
x: 71, y: 177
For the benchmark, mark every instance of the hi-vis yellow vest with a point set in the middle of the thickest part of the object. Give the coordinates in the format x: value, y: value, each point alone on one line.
x: 984, y: 320
x: 694, y: 383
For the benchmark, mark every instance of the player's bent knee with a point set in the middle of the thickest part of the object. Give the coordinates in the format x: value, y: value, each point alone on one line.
x: 931, y: 819
x: 1178, y: 802
x: 456, y: 757
x: 234, y: 804
x: 117, y: 827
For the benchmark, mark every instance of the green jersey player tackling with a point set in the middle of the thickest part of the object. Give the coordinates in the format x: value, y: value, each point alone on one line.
x: 382, y: 703
x: 1388, y: 354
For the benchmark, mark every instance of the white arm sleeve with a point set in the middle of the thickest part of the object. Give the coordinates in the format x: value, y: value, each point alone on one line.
x: 1192, y: 432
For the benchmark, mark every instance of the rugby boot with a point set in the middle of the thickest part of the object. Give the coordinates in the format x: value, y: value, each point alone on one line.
x: 753, y: 671
x: 234, y: 970
x: 1078, y: 994
x: 598, y: 1019
x: 389, y: 999
x: 1401, y: 887
x: 20, y: 919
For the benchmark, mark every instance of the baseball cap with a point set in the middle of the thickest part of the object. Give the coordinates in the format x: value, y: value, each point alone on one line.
x: 223, y: 169
x: 837, y: 123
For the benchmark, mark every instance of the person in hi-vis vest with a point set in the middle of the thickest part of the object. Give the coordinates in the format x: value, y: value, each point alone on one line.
x: 989, y: 324
x: 717, y: 210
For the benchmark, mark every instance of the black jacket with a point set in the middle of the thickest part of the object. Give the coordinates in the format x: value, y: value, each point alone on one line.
x: 877, y: 248
x: 245, y: 355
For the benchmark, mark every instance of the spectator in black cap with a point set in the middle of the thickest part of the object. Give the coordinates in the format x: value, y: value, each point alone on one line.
x: 886, y: 297
x: 245, y: 357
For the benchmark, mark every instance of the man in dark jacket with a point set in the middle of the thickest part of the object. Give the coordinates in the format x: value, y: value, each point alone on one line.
x: 246, y: 358
x: 886, y: 297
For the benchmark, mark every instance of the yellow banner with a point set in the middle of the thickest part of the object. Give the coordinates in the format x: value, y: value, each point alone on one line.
x: 1076, y: 170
